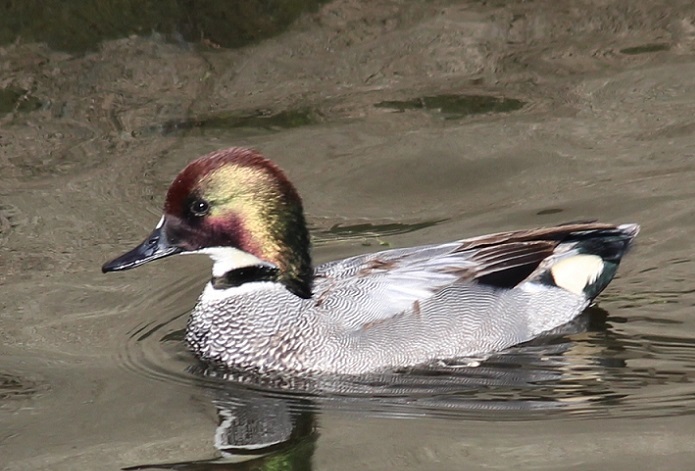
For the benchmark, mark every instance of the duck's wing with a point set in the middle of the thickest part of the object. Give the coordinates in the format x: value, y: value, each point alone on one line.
x: 378, y: 286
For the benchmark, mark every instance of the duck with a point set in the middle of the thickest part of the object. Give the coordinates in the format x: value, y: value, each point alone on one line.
x: 267, y: 309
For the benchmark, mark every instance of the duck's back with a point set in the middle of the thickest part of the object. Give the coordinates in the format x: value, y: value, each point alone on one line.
x: 407, y: 306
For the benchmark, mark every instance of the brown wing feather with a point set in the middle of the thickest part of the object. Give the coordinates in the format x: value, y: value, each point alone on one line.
x: 556, y: 233
x: 511, y: 255
x: 508, y: 264
x: 507, y: 258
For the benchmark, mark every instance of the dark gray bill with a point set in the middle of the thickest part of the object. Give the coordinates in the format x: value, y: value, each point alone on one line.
x: 154, y: 247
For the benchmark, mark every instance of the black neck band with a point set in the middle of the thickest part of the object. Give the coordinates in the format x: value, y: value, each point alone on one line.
x: 239, y: 276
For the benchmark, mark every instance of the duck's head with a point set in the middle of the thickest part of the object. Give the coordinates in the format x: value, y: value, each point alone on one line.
x: 239, y: 208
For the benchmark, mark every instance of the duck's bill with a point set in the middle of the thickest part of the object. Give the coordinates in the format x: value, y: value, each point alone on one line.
x: 156, y: 246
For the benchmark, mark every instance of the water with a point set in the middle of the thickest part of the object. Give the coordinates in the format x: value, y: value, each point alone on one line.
x: 400, y: 124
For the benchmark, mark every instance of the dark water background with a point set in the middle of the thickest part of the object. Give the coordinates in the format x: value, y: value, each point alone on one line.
x: 401, y: 123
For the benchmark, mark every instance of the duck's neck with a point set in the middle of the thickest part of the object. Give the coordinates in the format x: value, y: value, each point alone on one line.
x: 284, y: 244
x: 262, y: 272
x: 263, y: 236
x: 290, y: 267
x: 294, y: 260
x: 239, y: 276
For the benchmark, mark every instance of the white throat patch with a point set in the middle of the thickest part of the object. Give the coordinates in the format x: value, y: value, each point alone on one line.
x: 226, y: 259
x: 211, y: 294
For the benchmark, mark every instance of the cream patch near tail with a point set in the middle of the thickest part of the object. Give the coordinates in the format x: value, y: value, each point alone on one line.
x: 577, y: 272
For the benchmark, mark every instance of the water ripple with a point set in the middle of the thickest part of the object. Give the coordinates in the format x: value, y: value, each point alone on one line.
x: 588, y: 370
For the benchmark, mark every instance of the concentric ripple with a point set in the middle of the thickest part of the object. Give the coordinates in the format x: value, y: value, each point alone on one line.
x: 630, y: 357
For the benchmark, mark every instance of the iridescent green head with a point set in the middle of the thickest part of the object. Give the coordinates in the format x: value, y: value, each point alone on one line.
x: 240, y: 208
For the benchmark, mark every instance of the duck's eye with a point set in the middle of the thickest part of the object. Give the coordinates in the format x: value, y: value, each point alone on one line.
x: 200, y: 208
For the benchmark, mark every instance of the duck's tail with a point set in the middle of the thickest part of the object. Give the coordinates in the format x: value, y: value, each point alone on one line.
x: 586, y: 261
